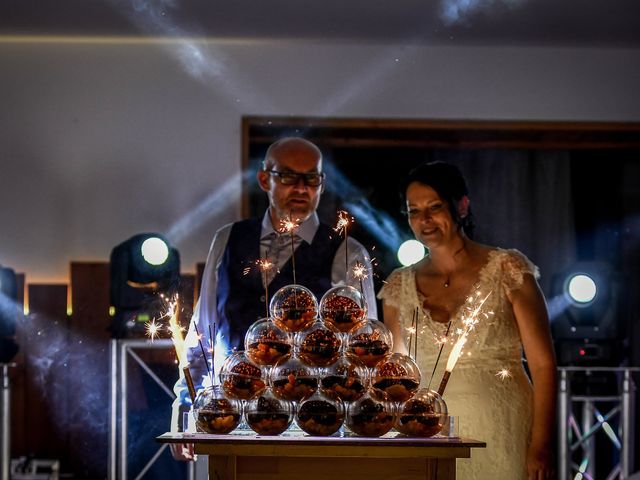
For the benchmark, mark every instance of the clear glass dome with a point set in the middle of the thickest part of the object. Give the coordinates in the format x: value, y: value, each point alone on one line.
x: 371, y: 341
x: 319, y: 345
x: 424, y: 415
x: 268, y: 415
x: 348, y: 378
x: 396, y: 378
x: 265, y: 343
x: 369, y: 417
x: 291, y: 379
x: 322, y: 414
x: 293, y: 308
x: 240, y: 378
x: 344, y: 307
x: 215, y: 413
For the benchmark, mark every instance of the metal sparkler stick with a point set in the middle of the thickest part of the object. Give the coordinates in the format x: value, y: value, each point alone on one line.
x: 204, y: 355
x: 190, y: 386
x: 443, y: 341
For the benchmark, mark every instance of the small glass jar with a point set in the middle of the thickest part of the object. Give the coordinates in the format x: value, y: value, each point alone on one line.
x: 370, y: 417
x: 265, y: 343
x: 371, y: 342
x: 291, y: 379
x: 424, y: 415
x: 215, y: 413
x: 396, y: 378
x: 348, y: 378
x: 319, y: 345
x: 344, y: 307
x: 293, y: 308
x: 322, y: 414
x: 240, y: 378
x: 268, y: 415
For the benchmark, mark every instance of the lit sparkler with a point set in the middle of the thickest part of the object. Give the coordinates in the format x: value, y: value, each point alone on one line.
x: 503, y: 374
x: 360, y: 273
x: 153, y: 329
x: 264, y: 265
x: 288, y: 225
x: 342, y: 227
x: 469, y: 323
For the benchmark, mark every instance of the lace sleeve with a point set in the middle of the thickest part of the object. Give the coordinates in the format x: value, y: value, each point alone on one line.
x: 391, y: 291
x: 514, y: 266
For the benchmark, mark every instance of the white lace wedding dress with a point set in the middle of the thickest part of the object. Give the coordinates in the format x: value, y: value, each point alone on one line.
x: 488, y: 390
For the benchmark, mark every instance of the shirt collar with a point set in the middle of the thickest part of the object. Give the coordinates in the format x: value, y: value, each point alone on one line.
x: 307, y: 229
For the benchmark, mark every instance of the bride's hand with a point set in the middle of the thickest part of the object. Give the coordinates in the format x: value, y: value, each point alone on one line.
x: 540, y: 463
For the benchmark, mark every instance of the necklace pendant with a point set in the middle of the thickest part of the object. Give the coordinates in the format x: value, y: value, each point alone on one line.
x: 446, y: 284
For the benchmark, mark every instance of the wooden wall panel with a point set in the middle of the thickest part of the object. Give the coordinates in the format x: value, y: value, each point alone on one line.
x: 89, y: 369
x: 44, y: 343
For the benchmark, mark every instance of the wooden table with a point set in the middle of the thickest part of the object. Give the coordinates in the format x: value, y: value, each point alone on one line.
x: 295, y: 456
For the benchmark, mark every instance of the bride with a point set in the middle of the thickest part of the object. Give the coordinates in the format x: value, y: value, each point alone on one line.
x: 489, y: 390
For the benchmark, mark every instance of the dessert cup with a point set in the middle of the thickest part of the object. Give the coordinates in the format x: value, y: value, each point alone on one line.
x: 369, y: 417
x: 396, y: 378
x: 265, y: 343
x: 424, y: 415
x: 348, y: 378
x: 268, y: 415
x: 371, y: 342
x: 343, y: 307
x: 240, y: 378
x: 215, y: 413
x: 322, y: 414
x: 293, y: 308
x: 293, y: 380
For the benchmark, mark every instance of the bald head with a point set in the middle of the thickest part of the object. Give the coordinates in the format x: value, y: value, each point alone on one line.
x: 297, y: 158
x: 293, y: 148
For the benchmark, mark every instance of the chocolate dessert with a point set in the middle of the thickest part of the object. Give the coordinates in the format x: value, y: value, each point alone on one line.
x: 342, y: 312
x: 296, y: 312
x: 244, y: 381
x: 218, y: 417
x: 268, y: 418
x: 320, y: 348
x: 372, y: 419
x: 418, y: 419
x: 392, y: 381
x: 293, y: 387
x: 319, y: 417
x: 369, y: 348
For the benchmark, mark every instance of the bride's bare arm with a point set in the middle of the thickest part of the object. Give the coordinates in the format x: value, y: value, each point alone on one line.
x: 392, y: 322
x: 533, y: 322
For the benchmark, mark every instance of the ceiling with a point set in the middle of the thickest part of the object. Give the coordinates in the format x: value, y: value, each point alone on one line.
x: 589, y: 23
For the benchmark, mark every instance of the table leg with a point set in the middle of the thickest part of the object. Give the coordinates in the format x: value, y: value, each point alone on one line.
x: 222, y: 467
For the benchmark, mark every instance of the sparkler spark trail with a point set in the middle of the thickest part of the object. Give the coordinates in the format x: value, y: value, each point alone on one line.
x: 469, y: 323
x: 176, y: 330
x: 288, y: 225
x: 153, y: 329
x: 264, y: 264
x: 360, y: 273
x: 503, y: 374
x: 342, y: 227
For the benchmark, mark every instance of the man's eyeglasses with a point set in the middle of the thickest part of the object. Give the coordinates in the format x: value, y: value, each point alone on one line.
x: 290, y: 178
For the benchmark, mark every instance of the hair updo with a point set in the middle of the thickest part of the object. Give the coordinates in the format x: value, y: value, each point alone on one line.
x: 449, y: 183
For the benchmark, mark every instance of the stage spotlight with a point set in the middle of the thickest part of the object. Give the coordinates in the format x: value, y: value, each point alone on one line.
x: 581, y: 289
x: 584, y: 309
x: 142, y: 268
x: 8, y: 314
x: 410, y: 252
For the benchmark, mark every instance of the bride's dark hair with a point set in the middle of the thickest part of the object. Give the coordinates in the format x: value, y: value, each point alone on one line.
x: 447, y: 180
